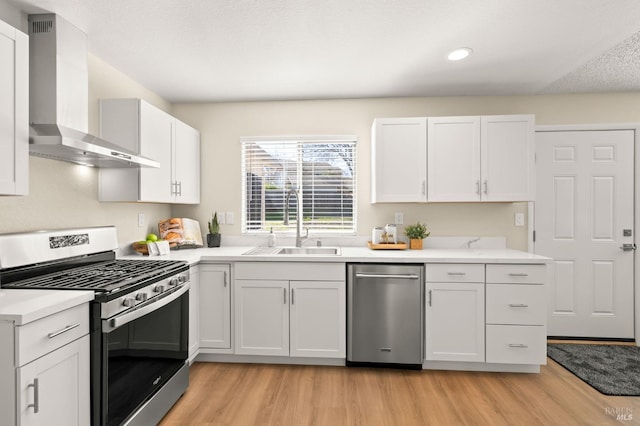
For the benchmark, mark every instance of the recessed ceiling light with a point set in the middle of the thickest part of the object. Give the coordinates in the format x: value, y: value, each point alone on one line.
x: 459, y: 54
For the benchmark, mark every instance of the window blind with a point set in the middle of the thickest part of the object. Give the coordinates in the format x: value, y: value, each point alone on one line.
x: 313, y: 174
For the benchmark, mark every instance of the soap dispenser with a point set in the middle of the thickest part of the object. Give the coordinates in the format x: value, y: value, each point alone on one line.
x: 272, y: 239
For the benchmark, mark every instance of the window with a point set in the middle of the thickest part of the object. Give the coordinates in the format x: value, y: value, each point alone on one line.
x: 314, y: 174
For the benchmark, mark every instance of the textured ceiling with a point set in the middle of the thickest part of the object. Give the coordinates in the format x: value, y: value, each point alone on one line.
x: 228, y: 50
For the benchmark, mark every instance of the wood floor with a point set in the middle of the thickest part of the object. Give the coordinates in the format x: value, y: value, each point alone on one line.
x: 251, y: 394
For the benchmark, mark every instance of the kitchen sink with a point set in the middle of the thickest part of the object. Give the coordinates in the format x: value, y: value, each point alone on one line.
x: 333, y: 251
x: 324, y: 251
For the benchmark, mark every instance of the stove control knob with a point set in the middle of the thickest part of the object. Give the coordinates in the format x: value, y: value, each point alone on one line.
x: 173, y: 282
x: 141, y: 297
x: 182, y: 279
x: 129, y: 302
x: 159, y: 288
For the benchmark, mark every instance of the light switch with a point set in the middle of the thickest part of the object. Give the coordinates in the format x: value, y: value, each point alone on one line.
x: 230, y: 218
x: 519, y: 219
x: 141, y: 220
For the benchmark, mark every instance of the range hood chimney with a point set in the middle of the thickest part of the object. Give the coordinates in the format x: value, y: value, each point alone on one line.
x: 58, y: 99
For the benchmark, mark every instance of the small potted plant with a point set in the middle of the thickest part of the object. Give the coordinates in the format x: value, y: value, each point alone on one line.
x: 213, y: 237
x: 416, y: 233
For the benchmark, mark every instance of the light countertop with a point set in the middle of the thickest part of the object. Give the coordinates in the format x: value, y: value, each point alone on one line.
x: 25, y: 306
x: 358, y: 254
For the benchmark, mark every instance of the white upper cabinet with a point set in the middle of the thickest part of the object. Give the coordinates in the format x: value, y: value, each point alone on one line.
x: 399, y: 160
x: 485, y: 158
x: 454, y: 158
x: 507, y: 157
x: 14, y: 111
x: 474, y: 158
x: 142, y: 128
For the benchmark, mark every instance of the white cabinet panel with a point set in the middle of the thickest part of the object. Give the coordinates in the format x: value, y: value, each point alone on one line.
x: 14, y: 111
x: 262, y: 317
x: 318, y: 319
x: 54, y: 389
x: 516, y: 304
x: 214, y: 306
x: 455, y: 272
x: 399, y: 160
x: 507, y: 155
x: 194, y: 312
x: 514, y: 344
x: 454, y: 322
x: 454, y: 158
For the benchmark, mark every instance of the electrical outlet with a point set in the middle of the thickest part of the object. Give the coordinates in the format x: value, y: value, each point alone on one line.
x: 221, y: 218
x: 399, y: 218
x: 141, y: 220
x: 519, y: 219
x: 230, y: 218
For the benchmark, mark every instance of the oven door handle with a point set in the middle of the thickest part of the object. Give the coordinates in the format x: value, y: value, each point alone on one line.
x: 142, y: 310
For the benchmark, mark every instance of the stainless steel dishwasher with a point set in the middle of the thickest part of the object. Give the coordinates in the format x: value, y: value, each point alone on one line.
x: 385, y: 315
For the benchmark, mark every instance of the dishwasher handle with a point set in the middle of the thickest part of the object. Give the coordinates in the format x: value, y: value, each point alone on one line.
x: 395, y: 276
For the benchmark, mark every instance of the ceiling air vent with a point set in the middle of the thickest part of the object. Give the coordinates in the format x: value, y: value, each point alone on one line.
x: 39, y: 27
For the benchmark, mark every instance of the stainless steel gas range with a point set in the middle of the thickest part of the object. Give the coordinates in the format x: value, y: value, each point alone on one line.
x: 139, y: 318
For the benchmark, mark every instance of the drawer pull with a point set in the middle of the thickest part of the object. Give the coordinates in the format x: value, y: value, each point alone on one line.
x: 518, y: 305
x: 64, y: 330
x: 518, y: 345
x: 457, y: 273
x: 518, y: 274
x: 35, y: 405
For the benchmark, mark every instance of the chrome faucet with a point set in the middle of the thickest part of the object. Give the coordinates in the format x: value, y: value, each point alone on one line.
x: 471, y: 241
x: 299, y: 237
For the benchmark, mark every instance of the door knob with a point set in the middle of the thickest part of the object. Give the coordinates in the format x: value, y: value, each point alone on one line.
x: 628, y: 247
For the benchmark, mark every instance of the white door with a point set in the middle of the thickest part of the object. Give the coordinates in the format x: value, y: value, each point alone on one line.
x: 215, y: 307
x: 583, y: 211
x: 261, y: 317
x: 454, y: 319
x: 453, y: 158
x: 318, y: 319
x: 399, y: 160
x: 54, y: 389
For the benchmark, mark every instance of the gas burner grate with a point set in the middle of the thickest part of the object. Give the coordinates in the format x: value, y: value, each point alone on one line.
x: 101, y: 277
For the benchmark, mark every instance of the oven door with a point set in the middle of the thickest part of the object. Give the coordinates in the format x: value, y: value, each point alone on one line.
x: 140, y: 351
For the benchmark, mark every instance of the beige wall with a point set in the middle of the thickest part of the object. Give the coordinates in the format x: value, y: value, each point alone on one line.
x: 223, y: 124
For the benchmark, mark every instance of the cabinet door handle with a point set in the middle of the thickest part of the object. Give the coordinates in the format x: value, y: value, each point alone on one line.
x: 64, y: 330
x: 518, y: 305
x: 292, y: 296
x: 518, y: 345
x: 486, y: 186
x: 180, y: 188
x: 477, y: 187
x: 36, y: 404
x: 429, y: 297
x: 225, y: 278
x: 456, y: 273
x: 285, y: 295
x: 518, y: 274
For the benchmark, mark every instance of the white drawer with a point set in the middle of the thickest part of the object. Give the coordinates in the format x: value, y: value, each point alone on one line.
x: 516, y: 344
x: 516, y: 304
x: 525, y: 274
x: 455, y: 272
x: 50, y: 333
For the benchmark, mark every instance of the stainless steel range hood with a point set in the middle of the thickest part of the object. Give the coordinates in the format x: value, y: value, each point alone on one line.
x: 58, y: 99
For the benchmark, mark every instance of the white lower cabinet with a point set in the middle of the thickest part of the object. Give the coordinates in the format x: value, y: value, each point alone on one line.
x: 279, y: 311
x: 454, y: 322
x: 44, y: 367
x: 54, y: 389
x: 214, y: 305
x: 516, y: 314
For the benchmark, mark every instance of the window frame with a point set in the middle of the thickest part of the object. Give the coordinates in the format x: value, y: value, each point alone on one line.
x: 298, y: 140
